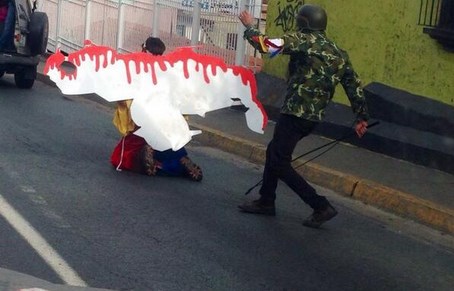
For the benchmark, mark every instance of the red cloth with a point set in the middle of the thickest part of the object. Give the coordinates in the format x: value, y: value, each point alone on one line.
x: 130, y: 147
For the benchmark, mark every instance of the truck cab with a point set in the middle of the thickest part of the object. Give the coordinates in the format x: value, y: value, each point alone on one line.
x: 22, y: 41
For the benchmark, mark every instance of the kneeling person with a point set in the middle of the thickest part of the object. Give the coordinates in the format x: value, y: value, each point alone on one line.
x: 134, y: 154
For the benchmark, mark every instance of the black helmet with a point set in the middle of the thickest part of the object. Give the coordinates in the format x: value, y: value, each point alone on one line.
x: 311, y: 17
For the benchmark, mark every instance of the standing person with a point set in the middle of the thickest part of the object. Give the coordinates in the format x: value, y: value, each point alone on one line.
x: 134, y: 154
x: 315, y: 67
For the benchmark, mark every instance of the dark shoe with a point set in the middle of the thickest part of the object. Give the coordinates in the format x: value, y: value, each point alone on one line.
x: 319, y: 217
x: 258, y: 207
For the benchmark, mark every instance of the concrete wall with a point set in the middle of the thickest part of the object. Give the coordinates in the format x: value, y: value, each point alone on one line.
x: 384, y: 41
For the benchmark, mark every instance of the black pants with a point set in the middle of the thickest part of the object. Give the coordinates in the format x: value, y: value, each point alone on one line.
x: 288, y: 132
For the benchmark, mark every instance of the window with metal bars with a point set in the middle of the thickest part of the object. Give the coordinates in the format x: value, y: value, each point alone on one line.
x: 437, y: 17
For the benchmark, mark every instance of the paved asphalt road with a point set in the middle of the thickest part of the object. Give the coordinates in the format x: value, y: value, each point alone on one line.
x: 83, y: 223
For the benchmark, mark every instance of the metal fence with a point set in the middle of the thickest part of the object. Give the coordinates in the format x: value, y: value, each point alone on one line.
x: 211, y: 26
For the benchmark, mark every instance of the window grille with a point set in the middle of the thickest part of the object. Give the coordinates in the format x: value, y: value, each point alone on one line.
x: 437, y: 17
x: 429, y: 12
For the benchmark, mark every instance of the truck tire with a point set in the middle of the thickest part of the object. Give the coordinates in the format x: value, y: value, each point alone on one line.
x: 25, y: 78
x: 38, y: 33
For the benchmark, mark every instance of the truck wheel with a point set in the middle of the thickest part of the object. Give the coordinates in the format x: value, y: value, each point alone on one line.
x: 25, y: 78
x: 38, y: 33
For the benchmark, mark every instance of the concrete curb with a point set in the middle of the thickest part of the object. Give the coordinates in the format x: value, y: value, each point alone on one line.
x: 369, y: 192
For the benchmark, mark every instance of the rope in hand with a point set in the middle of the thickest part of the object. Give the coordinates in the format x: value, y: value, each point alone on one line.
x: 331, y: 144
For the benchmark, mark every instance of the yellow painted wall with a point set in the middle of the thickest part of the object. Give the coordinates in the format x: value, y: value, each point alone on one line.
x: 384, y: 41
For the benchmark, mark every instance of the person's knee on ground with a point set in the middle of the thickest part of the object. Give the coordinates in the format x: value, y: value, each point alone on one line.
x: 193, y: 171
x: 150, y: 165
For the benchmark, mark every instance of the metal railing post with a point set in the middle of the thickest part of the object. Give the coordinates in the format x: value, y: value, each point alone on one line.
x: 155, y: 24
x: 87, y: 30
x: 196, y: 23
x: 241, y: 43
x: 57, y: 29
x: 120, y: 25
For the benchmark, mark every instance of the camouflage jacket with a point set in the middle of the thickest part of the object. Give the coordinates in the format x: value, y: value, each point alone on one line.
x: 316, y: 66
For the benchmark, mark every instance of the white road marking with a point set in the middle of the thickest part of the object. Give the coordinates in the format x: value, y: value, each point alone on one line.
x: 37, y: 242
